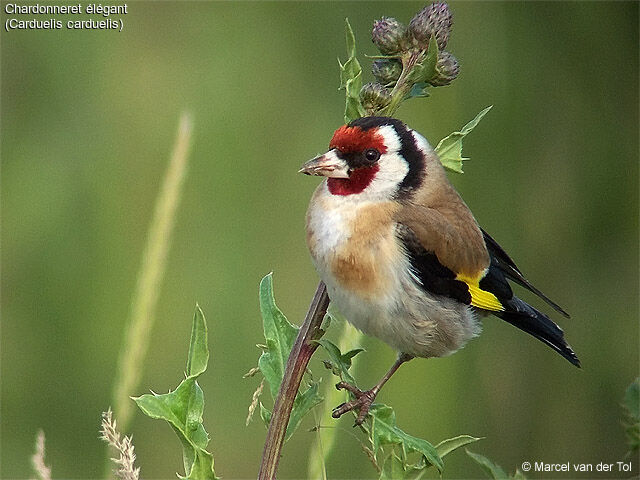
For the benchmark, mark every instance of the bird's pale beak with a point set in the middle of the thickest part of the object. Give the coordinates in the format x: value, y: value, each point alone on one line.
x: 327, y: 165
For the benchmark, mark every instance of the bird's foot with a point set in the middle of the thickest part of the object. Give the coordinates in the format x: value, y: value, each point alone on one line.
x: 362, y: 402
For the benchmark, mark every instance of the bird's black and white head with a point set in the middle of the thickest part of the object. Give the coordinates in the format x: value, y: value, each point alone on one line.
x: 373, y: 158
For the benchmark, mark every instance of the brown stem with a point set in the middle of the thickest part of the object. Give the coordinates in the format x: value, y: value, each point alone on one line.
x: 299, y: 357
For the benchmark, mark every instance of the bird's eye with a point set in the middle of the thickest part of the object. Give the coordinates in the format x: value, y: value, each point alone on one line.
x: 372, y: 155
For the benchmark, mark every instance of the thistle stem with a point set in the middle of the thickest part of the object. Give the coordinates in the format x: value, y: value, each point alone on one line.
x: 299, y: 357
x: 403, y: 85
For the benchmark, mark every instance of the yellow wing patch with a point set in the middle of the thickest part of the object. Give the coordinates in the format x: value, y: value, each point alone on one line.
x: 480, y: 298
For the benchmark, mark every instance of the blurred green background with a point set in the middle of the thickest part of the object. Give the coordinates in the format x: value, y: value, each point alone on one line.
x: 88, y: 122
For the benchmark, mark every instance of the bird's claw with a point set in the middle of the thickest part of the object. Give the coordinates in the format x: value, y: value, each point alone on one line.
x: 362, y: 402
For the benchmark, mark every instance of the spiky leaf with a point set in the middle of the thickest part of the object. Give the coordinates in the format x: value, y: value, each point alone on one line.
x: 279, y: 334
x: 198, y: 349
x: 419, y: 90
x: 394, y: 468
x: 265, y: 414
x: 447, y: 446
x: 351, y: 78
x: 494, y: 471
x: 183, y: 407
x: 303, y: 403
x: 449, y: 149
x: 384, y: 431
x: 340, y: 363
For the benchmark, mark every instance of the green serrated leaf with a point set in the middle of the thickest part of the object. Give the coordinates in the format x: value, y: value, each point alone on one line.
x: 303, y: 403
x: 340, y: 363
x: 326, y: 322
x: 384, y: 431
x: 494, y: 471
x: 419, y: 90
x: 353, y: 106
x: 394, y: 468
x: 351, y: 78
x: 449, y: 149
x: 447, y: 446
x: 431, y: 60
x: 198, y: 348
x: 350, y: 39
x: 265, y: 414
x: 349, y: 71
x: 279, y: 334
x: 346, y: 357
x: 183, y: 407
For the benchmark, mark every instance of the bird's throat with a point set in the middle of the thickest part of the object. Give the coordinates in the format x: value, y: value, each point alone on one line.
x: 358, y: 180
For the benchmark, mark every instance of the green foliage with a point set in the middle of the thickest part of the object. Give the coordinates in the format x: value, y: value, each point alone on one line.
x: 302, y: 405
x: 632, y: 410
x: 383, y: 430
x: 280, y: 336
x: 391, y: 446
x: 393, y: 468
x: 447, y: 446
x: 183, y: 407
x: 419, y: 90
x: 339, y: 363
x: 449, y: 149
x: 351, y: 79
x: 425, y: 70
x: 494, y: 470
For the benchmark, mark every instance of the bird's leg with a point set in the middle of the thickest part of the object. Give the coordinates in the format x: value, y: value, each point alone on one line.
x: 363, y: 400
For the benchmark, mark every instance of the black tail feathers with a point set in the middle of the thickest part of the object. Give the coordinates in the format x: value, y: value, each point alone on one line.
x: 528, y: 319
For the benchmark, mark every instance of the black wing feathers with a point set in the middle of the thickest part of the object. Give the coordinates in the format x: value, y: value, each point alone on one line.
x: 503, y: 262
x: 528, y: 319
x: 495, y: 282
x: 434, y: 277
x: 517, y: 312
x: 438, y: 279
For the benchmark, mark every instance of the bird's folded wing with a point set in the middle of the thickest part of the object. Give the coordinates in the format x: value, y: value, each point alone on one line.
x: 448, y: 255
x: 436, y: 278
x: 452, y: 256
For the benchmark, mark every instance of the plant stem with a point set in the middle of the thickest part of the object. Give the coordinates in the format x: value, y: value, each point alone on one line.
x: 402, y: 86
x: 326, y: 437
x: 299, y: 357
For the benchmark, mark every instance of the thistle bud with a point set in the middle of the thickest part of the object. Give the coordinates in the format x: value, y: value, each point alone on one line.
x: 436, y: 20
x: 389, y: 35
x: 374, y: 97
x: 386, y: 71
x: 447, y: 69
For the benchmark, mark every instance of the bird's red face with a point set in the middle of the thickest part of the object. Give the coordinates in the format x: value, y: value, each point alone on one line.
x: 361, y: 150
x: 371, y: 154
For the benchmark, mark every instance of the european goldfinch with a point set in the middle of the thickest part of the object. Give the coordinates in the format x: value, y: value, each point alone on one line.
x: 402, y: 256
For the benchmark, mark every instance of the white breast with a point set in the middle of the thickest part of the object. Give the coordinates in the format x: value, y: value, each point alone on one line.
x: 399, y: 312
